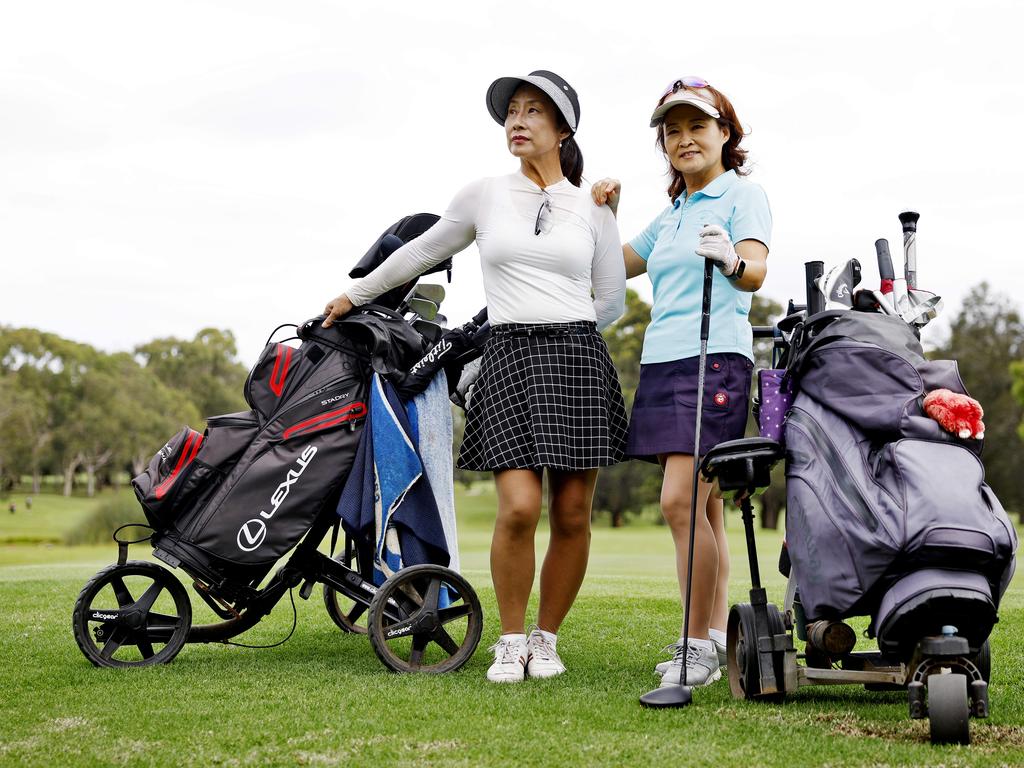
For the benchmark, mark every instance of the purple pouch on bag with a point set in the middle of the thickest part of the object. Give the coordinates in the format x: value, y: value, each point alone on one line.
x: 774, y: 400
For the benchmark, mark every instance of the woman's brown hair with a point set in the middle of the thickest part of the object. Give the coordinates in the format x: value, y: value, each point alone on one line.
x: 733, y: 157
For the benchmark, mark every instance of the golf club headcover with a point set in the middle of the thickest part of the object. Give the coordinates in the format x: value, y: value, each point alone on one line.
x: 956, y: 413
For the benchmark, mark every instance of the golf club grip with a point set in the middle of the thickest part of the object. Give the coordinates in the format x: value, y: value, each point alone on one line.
x: 705, y: 309
x: 886, y: 271
x: 815, y: 298
x: 909, y: 221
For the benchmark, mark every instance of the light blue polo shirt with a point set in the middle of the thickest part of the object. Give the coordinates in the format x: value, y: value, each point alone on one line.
x: 668, y: 245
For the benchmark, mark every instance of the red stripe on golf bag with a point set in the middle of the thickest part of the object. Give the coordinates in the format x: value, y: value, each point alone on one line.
x: 280, y: 372
x: 188, y: 453
x: 325, y: 420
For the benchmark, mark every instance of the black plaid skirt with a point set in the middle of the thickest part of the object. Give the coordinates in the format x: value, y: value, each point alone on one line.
x: 548, y: 396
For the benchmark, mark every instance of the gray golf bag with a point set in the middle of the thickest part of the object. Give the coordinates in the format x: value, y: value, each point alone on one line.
x: 887, y: 515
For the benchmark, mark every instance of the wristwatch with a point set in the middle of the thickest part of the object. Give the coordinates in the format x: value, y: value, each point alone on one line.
x: 738, y: 272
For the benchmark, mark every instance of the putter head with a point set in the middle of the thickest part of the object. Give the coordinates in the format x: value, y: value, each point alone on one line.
x: 838, y: 283
x: 422, y: 307
x: 430, y: 292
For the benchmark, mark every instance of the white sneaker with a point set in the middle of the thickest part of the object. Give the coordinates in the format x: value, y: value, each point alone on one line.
x: 541, y: 657
x: 509, y: 660
x: 701, y: 666
x: 661, y: 668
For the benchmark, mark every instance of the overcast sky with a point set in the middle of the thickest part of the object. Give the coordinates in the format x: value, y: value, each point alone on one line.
x: 170, y: 166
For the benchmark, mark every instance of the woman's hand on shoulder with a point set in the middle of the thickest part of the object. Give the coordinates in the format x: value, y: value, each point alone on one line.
x: 336, y: 308
x: 606, y: 191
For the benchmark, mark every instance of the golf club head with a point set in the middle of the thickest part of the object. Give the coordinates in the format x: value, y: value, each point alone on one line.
x: 428, y: 329
x: 441, y: 320
x: 838, y: 283
x: 868, y: 299
x: 423, y: 307
x: 672, y: 696
x: 430, y: 292
x: 924, y: 307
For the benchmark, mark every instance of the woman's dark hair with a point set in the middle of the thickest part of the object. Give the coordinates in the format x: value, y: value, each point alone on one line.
x: 571, y: 158
x: 733, y: 157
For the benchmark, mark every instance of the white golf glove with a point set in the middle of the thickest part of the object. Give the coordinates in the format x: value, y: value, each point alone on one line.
x: 467, y: 383
x: 716, y: 245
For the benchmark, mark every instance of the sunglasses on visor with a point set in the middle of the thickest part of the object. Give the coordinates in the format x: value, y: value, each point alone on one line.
x: 685, y: 82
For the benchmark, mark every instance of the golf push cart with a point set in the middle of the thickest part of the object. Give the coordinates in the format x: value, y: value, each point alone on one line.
x: 887, y: 516
x: 225, y: 506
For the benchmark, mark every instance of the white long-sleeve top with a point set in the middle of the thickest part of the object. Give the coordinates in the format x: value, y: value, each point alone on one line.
x: 528, y: 278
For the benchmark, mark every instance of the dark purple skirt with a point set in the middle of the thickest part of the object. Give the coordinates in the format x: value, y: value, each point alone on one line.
x: 665, y: 406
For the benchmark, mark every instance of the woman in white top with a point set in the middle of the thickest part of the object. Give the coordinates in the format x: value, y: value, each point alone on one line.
x: 548, y: 395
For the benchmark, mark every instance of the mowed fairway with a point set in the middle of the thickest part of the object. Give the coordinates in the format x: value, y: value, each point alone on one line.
x: 323, y: 698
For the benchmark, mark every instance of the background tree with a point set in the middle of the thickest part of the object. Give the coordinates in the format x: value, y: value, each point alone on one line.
x: 986, y: 339
x: 628, y: 487
x: 1017, y: 372
x: 205, y: 369
x: 66, y: 407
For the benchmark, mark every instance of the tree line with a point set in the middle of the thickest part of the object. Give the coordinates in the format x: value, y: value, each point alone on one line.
x: 68, y: 409
x: 986, y: 339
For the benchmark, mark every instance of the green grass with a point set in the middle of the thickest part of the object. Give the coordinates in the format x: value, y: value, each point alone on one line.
x: 323, y: 698
x: 52, y: 516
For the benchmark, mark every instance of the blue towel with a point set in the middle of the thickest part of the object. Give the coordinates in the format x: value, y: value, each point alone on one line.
x: 387, y: 499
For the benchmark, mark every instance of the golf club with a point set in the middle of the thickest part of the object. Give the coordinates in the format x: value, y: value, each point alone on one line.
x: 428, y: 329
x: 430, y: 292
x: 924, y: 307
x: 909, y: 221
x: 838, y: 284
x: 681, y: 695
x: 886, y: 273
x: 422, y: 307
x: 867, y: 299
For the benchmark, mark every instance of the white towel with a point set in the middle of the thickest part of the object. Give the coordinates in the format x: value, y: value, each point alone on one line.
x: 435, y: 432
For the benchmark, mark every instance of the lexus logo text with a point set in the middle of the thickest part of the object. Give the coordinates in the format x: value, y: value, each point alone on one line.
x: 253, y: 532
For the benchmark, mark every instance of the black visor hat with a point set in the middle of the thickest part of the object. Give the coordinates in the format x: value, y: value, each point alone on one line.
x: 557, y: 89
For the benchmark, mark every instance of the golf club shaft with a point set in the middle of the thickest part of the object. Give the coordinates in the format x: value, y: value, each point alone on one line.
x: 705, y: 327
x: 909, y: 221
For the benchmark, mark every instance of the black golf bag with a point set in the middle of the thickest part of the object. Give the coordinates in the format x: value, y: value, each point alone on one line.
x: 887, y: 514
x: 228, y: 503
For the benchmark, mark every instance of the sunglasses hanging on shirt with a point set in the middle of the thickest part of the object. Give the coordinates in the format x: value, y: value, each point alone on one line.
x: 545, y: 204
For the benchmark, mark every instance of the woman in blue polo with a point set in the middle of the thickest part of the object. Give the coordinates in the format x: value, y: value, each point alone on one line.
x: 714, y: 214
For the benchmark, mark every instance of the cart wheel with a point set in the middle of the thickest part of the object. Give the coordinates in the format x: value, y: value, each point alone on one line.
x: 425, y: 618
x: 948, y: 709
x: 132, y: 615
x: 741, y: 651
x: 348, y: 614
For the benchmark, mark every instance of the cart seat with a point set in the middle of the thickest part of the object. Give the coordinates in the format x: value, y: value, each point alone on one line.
x: 738, y: 468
